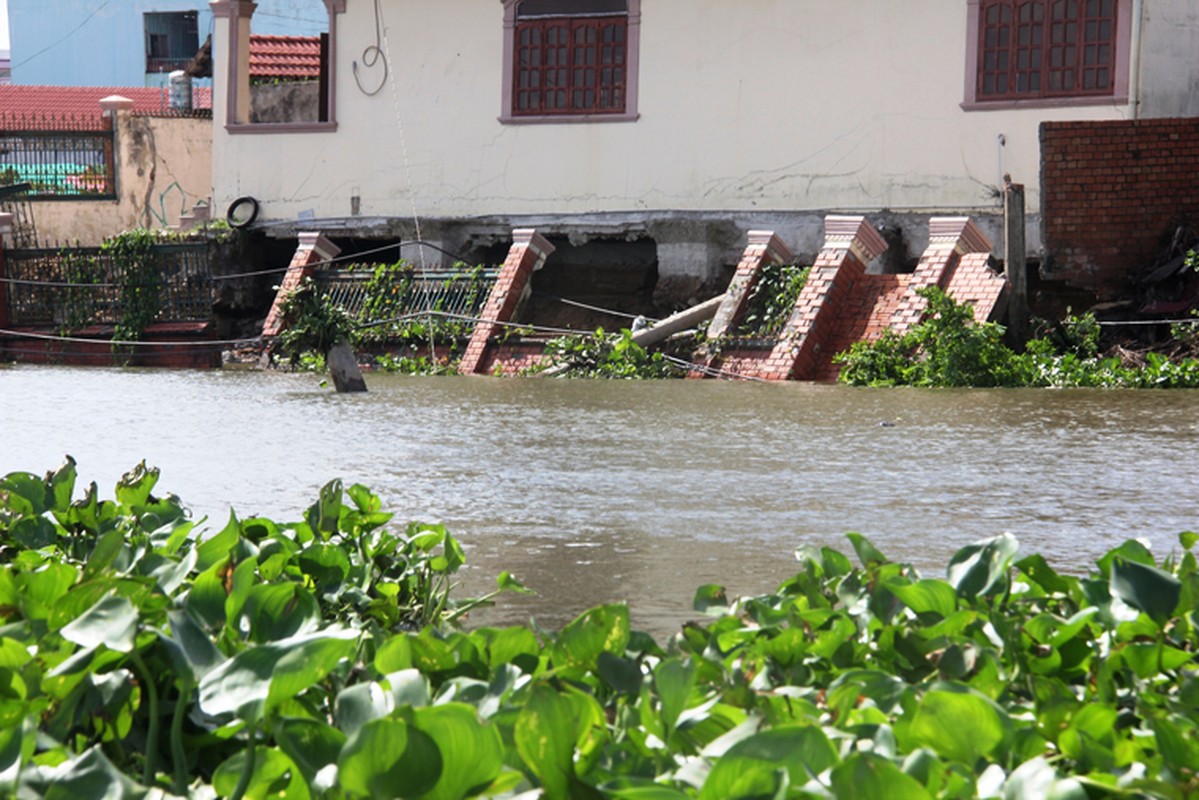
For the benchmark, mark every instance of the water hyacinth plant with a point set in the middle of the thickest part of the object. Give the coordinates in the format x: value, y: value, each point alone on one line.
x: 326, y: 658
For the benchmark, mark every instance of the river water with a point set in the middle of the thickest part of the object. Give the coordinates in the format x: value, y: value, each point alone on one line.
x: 595, y: 491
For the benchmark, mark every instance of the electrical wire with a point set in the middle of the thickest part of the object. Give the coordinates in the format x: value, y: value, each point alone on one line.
x: 372, y: 55
x: 53, y: 337
x: 600, y: 309
x: 255, y: 273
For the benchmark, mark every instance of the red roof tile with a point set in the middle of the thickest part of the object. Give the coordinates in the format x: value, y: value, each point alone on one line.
x: 289, y: 57
x: 37, y: 106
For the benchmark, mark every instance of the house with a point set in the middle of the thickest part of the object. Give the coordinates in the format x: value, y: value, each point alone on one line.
x: 104, y: 159
x: 648, y: 136
x: 126, y: 43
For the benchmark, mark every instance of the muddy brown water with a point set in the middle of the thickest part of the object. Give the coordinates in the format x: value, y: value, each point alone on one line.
x: 599, y: 491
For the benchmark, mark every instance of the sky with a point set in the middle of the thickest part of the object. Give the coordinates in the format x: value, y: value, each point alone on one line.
x: 4, y: 25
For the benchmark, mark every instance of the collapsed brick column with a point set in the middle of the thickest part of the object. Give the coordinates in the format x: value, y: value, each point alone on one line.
x: 313, y: 249
x: 762, y: 247
x: 850, y: 243
x: 949, y: 238
x: 527, y: 255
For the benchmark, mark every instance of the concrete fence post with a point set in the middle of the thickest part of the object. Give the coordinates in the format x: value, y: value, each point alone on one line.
x: 1015, y: 267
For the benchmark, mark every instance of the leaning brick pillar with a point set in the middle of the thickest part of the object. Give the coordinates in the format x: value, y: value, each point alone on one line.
x: 5, y: 232
x: 850, y: 243
x: 949, y: 238
x: 763, y: 247
x: 313, y: 249
x: 527, y: 255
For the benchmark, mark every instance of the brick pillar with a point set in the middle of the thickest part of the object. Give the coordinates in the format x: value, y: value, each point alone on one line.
x: 763, y: 247
x: 527, y: 255
x: 850, y: 243
x: 313, y: 249
x: 5, y: 232
x: 949, y: 238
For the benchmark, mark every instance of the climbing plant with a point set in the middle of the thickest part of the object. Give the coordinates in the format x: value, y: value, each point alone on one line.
x: 314, y: 323
x: 772, y: 299
x: 138, y: 279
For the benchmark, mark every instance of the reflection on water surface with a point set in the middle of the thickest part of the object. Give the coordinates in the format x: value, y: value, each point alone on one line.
x: 599, y: 491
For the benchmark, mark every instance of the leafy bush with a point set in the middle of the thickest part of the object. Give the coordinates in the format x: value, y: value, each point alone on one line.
x: 946, y: 349
x: 949, y: 348
x: 600, y: 355
x: 319, y: 659
x: 314, y: 323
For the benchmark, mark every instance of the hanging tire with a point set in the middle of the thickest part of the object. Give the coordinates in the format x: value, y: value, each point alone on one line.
x: 242, y: 212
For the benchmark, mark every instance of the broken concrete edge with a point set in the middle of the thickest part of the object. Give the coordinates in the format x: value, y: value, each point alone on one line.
x: 343, y: 369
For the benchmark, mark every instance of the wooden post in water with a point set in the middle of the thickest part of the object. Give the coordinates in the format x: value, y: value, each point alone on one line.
x: 1015, y: 267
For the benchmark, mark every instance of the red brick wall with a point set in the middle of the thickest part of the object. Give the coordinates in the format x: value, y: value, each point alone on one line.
x: 1112, y: 193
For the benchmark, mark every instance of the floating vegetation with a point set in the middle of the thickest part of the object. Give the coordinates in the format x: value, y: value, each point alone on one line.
x: 142, y: 655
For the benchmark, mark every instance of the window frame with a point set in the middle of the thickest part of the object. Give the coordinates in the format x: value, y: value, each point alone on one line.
x: 238, y: 13
x: 1046, y: 98
x: 190, y: 27
x: 631, y: 66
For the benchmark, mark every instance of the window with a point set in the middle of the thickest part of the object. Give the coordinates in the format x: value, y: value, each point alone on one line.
x: 570, y: 60
x: 171, y: 40
x: 1052, y: 52
x: 251, y: 108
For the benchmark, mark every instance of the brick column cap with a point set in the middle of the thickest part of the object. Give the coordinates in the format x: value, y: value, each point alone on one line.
x: 325, y: 249
x: 853, y: 233
x: 958, y: 232
x: 530, y: 238
x: 776, y: 250
x: 5, y: 223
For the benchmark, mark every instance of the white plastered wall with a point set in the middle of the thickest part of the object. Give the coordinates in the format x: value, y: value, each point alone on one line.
x: 746, y: 106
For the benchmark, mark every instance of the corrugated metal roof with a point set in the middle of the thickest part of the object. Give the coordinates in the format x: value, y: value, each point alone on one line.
x: 285, y: 57
x: 39, y: 105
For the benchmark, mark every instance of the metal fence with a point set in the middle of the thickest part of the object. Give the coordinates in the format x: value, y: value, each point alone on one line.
x: 60, y: 158
x: 378, y: 298
x: 73, y: 288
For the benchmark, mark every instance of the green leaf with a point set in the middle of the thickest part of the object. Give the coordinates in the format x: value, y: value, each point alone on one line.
x: 925, y: 596
x: 674, y: 679
x: 749, y: 766
x: 1037, y: 570
x: 206, y: 599
x: 601, y: 629
x: 545, y: 738
x: 867, y: 776
x: 868, y: 554
x: 112, y: 622
x: 1037, y: 778
x: 61, y: 484
x: 107, y: 548
x: 312, y: 744
x: 472, y: 753
x: 386, y: 754
x: 91, y: 776
x: 622, y: 674
x: 28, y: 487
x: 191, y: 651
x: 324, y: 514
x: 17, y: 744
x: 133, y: 489
x: 274, y: 672
x: 982, y: 568
x: 710, y: 599
x: 1188, y: 539
x: 958, y: 723
x: 361, y: 703
x: 1146, y: 589
x: 216, y: 548
x: 327, y: 564
x: 274, y: 777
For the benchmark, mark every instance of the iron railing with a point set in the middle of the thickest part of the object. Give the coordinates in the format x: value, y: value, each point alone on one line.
x: 73, y: 288
x: 60, y: 158
x: 393, y: 295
